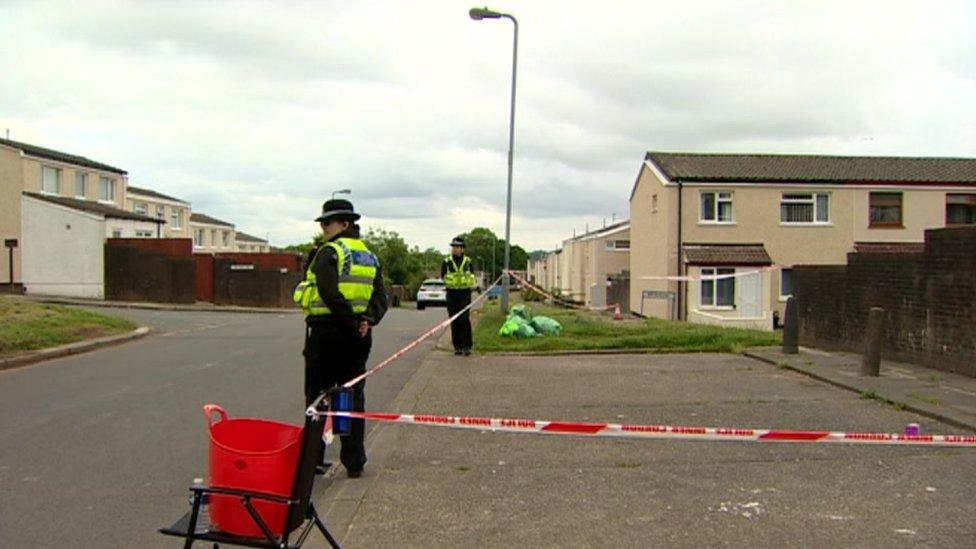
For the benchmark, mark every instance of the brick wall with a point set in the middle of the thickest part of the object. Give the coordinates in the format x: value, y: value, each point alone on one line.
x: 235, y: 284
x: 138, y: 274
x: 929, y: 299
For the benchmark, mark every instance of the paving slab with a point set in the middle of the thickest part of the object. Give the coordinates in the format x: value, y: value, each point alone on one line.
x: 436, y: 487
x: 945, y: 396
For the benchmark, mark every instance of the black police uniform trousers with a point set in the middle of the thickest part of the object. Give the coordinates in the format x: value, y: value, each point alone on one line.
x: 334, y: 354
x: 461, y: 327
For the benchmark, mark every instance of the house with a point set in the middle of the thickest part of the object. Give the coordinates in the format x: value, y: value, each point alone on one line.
x: 714, y: 236
x: 63, y: 241
x: 211, y: 234
x: 248, y: 243
x: 579, y: 270
x: 44, y: 192
x: 175, y: 211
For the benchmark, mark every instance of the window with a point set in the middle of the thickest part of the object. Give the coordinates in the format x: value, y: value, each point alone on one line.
x: 116, y: 233
x: 617, y: 245
x: 226, y: 237
x: 653, y: 203
x: 140, y: 208
x: 81, y: 182
x: 960, y: 209
x: 176, y: 219
x: 785, y: 283
x: 198, y: 237
x: 717, y: 292
x: 160, y: 211
x: 144, y: 234
x: 716, y: 207
x: 106, y: 189
x: 50, y: 180
x: 804, y: 208
x: 885, y: 210
x: 213, y: 237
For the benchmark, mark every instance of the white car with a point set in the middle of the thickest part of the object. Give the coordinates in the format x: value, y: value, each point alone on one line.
x: 432, y: 292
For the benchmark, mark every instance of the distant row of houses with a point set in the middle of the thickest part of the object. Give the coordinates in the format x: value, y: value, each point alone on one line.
x: 58, y: 209
x: 712, y: 238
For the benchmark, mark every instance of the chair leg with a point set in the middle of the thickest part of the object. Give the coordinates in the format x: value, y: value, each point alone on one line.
x: 321, y: 526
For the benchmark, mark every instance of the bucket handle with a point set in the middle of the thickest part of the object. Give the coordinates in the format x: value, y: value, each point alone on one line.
x: 209, y: 409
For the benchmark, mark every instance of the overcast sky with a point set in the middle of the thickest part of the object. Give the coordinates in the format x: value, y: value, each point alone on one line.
x: 256, y: 111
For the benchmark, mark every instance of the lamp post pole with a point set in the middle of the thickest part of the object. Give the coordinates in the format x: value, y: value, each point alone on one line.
x: 484, y: 13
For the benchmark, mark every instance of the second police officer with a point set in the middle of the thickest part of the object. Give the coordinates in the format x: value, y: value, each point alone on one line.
x: 459, y: 280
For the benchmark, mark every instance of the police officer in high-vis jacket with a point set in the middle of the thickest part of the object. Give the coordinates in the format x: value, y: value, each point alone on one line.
x: 343, y: 297
x: 459, y: 280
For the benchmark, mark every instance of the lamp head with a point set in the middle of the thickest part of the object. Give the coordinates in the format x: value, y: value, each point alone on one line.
x: 483, y: 13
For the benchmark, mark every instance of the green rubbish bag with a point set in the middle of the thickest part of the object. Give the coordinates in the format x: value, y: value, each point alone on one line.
x: 517, y: 327
x: 546, y: 326
x: 522, y: 312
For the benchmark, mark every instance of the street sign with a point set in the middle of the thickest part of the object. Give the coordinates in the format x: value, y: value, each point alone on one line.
x: 657, y: 294
x: 10, y: 242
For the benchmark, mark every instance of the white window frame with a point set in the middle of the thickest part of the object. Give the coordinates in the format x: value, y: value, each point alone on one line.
x: 160, y: 211
x: 213, y: 238
x: 143, y: 234
x: 718, y: 198
x: 116, y: 233
x: 140, y: 208
x: 45, y: 170
x: 809, y: 198
x: 714, y: 271
x: 82, y: 179
x: 225, y: 239
x: 198, y: 237
x: 783, y: 271
x: 613, y: 245
x: 106, y: 183
x: 176, y: 219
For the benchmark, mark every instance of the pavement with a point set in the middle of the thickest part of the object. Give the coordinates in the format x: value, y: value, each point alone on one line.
x: 944, y: 396
x: 436, y: 487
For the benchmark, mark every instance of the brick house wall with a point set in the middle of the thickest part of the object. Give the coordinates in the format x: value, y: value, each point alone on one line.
x: 929, y: 299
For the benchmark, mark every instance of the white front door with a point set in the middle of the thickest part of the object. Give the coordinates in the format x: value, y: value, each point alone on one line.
x: 750, y: 295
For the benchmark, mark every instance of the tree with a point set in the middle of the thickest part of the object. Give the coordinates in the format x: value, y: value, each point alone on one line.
x: 487, y: 251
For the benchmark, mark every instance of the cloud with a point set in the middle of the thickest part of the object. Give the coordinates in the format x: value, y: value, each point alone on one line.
x: 256, y: 111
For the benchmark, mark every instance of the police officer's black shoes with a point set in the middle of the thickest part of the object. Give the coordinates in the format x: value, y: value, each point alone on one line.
x: 354, y: 473
x: 458, y: 352
x: 467, y: 352
x: 322, y: 468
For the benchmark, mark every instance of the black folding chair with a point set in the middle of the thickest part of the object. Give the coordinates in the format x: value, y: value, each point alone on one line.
x: 301, y: 516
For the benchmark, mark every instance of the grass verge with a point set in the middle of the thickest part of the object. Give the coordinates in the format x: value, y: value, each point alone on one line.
x: 584, y: 330
x: 29, y: 326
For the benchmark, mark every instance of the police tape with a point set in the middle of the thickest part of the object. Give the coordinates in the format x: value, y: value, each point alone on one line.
x: 558, y: 299
x: 419, y: 340
x: 666, y: 432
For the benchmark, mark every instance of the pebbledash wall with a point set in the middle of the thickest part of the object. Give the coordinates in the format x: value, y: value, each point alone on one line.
x: 929, y: 299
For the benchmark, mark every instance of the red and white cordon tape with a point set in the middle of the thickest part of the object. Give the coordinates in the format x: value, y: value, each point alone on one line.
x: 556, y: 298
x: 662, y: 431
x: 419, y: 340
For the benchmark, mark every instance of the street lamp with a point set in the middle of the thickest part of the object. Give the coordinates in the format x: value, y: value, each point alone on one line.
x: 484, y: 13
x: 341, y: 191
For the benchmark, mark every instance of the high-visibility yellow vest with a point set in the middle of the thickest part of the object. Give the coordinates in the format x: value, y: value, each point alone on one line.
x: 357, y: 270
x: 457, y: 277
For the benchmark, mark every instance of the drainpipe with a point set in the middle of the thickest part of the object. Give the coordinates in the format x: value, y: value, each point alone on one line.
x: 679, y: 298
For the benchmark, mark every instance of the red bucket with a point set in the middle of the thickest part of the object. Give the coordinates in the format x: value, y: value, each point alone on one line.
x: 251, y: 454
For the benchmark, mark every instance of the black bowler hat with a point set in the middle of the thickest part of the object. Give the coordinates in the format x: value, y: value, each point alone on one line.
x: 458, y: 241
x: 337, y: 208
